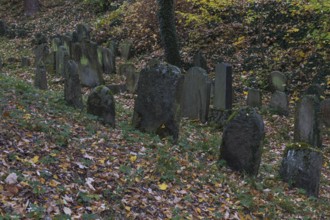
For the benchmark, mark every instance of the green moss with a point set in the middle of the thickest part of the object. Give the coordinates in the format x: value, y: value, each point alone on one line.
x: 300, y: 146
x: 84, y: 60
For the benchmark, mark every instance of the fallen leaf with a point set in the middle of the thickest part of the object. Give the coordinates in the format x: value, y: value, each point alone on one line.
x: 133, y: 158
x: 11, y: 178
x: 163, y: 186
x: 67, y: 211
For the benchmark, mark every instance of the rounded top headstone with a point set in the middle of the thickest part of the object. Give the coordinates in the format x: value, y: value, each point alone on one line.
x: 278, y: 80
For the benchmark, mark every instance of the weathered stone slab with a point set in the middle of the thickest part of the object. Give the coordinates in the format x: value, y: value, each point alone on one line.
x: 254, y: 98
x: 196, y: 94
x: 62, y: 56
x: 157, y: 106
x: 108, y: 61
x: 223, y: 96
x: 102, y: 103
x: 3, y: 28
x: 72, y: 87
x: 200, y: 61
x: 55, y: 44
x: 40, y: 80
x: 325, y: 112
x: 278, y: 80
x: 306, y: 127
x: 90, y: 70
x: 301, y: 167
x: 279, y: 103
x: 132, y: 78
x: 67, y: 42
x: 83, y: 32
x: 125, y: 50
x: 25, y: 61
x: 41, y: 51
x: 242, y: 141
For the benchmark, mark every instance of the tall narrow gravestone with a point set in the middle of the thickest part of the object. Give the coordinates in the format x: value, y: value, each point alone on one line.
x: 196, y: 94
x: 223, y: 86
x: 157, y: 106
x: 306, y: 127
x: 72, y: 88
x: 108, y: 61
x: 62, y: 56
x: 200, y: 61
x: 325, y: 111
x: 1, y: 64
x: 40, y: 80
x: 279, y: 103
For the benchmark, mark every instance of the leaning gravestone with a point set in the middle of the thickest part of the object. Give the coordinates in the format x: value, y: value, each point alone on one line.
x: 40, y: 80
x: 196, y: 94
x: 254, y: 98
x: 108, y: 61
x: 242, y: 141
x: 279, y: 103
x: 301, y: 167
x: 72, y: 88
x: 306, y: 127
x: 157, y: 106
x: 101, y: 103
x: 325, y: 111
x: 200, y: 61
x: 223, y: 86
x: 90, y: 70
x: 278, y: 81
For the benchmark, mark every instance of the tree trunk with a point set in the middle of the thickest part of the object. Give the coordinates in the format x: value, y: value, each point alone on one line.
x: 166, y: 19
x: 31, y: 7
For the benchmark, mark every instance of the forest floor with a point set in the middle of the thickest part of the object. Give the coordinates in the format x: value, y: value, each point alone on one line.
x: 61, y: 163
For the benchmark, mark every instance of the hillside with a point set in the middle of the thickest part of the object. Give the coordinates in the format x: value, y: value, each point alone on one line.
x: 61, y: 163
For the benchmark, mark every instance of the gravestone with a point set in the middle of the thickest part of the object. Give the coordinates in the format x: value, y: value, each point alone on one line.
x: 1, y: 63
x: 76, y: 52
x: 72, y: 88
x: 200, y: 61
x: 55, y: 44
x: 278, y: 81
x: 157, y: 106
x: 40, y: 80
x: 254, y: 98
x: 301, y: 167
x: 90, y: 70
x: 83, y: 32
x: 125, y: 50
x: 108, y: 61
x: 25, y: 61
x: 67, y: 42
x: 117, y: 88
x: 132, y: 77
x: 279, y: 103
x: 196, y: 94
x: 242, y: 141
x: 223, y: 86
x: 101, y: 103
x: 125, y: 68
x: 306, y: 126
x: 41, y: 51
x: 3, y: 28
x: 325, y: 111
x: 62, y: 56
x: 315, y: 89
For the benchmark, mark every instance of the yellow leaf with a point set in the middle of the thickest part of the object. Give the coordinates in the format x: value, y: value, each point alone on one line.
x: 35, y: 159
x: 133, y: 158
x: 128, y: 208
x: 53, y: 183
x: 245, y: 93
x: 27, y: 116
x: 163, y: 186
x: 198, y: 210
